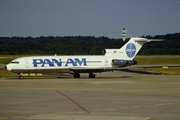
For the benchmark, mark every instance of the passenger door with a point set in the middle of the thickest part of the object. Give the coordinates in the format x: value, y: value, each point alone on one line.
x: 26, y: 63
x: 106, y: 62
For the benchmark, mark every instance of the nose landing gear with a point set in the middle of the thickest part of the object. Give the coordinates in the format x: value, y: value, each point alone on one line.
x: 21, y: 76
x: 76, y: 75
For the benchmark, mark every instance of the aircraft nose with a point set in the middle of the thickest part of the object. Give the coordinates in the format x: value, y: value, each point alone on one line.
x: 7, y: 68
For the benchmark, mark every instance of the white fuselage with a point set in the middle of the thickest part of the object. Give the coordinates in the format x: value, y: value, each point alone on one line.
x: 61, y: 64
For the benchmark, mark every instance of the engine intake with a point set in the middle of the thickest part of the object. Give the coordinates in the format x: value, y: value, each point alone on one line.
x: 110, y: 51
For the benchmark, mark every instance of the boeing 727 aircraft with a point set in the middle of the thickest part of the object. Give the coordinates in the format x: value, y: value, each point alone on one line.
x: 113, y: 59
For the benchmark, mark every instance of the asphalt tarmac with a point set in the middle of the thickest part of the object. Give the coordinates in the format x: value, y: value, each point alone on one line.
x: 110, y: 96
x: 2, y: 66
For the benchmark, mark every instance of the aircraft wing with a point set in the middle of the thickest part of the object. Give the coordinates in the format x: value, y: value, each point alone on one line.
x: 102, y: 69
x: 89, y: 69
x: 154, y: 66
x: 147, y: 66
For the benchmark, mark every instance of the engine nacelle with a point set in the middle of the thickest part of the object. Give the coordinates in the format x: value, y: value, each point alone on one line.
x: 110, y: 51
x: 132, y: 62
x: 123, y: 62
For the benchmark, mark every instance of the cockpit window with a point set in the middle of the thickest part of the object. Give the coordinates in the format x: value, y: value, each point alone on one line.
x: 15, y: 62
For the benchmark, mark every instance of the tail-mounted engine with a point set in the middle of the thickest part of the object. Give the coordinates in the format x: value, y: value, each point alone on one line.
x: 110, y: 51
x: 123, y: 62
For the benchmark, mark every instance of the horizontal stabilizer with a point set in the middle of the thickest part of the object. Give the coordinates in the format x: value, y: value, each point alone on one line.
x: 155, y: 40
x: 146, y: 40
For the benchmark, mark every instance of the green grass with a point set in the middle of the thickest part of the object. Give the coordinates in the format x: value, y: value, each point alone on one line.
x: 169, y: 71
x: 8, y: 58
x: 157, y: 60
x: 5, y: 73
x: 160, y: 59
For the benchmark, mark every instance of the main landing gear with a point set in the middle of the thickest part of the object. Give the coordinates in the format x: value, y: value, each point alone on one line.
x: 91, y: 75
x: 77, y: 75
x: 21, y: 77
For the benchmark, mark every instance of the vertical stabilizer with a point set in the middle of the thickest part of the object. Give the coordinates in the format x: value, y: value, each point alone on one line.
x: 131, y: 48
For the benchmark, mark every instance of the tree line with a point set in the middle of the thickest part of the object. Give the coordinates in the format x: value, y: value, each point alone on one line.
x: 83, y: 45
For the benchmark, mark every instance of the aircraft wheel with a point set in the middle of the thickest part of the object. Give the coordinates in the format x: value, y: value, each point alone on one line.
x: 76, y: 75
x: 92, y: 75
x: 21, y: 77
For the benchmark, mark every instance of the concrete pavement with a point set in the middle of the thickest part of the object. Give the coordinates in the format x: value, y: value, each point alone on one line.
x: 113, y: 95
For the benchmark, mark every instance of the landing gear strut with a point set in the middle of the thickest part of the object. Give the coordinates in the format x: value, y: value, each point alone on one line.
x: 21, y: 77
x: 91, y: 75
x: 76, y: 75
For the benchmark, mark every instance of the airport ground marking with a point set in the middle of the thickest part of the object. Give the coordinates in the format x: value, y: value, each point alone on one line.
x: 69, y: 113
x: 123, y: 108
x: 52, y: 114
x: 73, y: 101
x: 96, y: 110
x: 111, y: 109
x: 81, y: 112
x: 147, y: 106
x: 159, y: 104
x: 4, y: 118
x: 169, y: 103
x: 36, y: 115
x: 135, y: 106
x: 19, y: 117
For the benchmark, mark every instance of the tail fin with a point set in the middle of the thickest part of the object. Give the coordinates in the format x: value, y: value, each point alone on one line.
x: 132, y: 47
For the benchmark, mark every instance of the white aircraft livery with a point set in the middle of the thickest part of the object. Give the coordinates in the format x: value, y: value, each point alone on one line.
x: 113, y: 59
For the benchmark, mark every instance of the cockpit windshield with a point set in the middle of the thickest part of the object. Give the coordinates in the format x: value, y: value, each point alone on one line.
x: 14, y: 62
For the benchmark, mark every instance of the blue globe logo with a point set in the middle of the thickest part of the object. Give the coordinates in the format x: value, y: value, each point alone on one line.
x: 130, y: 50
